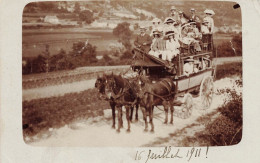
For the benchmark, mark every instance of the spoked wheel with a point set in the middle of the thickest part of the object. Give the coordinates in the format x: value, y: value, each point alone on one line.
x: 206, y: 92
x: 187, y: 104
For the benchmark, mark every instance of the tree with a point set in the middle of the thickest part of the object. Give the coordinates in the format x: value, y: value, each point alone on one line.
x: 124, y: 34
x: 83, y: 54
x: 86, y: 16
x: 77, y: 8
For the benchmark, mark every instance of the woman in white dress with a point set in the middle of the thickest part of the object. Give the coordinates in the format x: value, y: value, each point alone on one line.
x: 172, y: 46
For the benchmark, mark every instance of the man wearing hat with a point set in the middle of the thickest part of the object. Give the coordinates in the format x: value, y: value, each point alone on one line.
x: 174, y: 14
x: 209, y: 19
x: 210, y: 24
x: 158, y: 45
x: 188, y: 66
x: 194, y: 18
x: 183, y: 18
x: 143, y: 40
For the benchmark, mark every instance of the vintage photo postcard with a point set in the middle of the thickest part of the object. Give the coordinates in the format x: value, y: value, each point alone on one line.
x: 139, y: 81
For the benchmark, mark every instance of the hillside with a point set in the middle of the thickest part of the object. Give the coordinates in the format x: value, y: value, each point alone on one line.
x: 140, y: 10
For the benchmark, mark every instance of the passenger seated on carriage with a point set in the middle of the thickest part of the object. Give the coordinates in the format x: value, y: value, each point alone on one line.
x: 171, y: 25
x: 191, y: 36
x: 188, y: 67
x: 174, y: 15
x: 156, y: 25
x: 172, y: 46
x: 158, y: 45
x: 194, y: 18
x: 183, y: 18
x: 143, y: 40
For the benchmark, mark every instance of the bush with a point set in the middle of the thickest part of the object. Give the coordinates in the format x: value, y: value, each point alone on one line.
x: 127, y: 55
x: 86, y: 16
x: 228, y: 70
x: 227, y: 128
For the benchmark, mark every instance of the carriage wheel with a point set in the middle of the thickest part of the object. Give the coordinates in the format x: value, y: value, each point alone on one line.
x: 187, y: 106
x: 206, y: 92
x: 187, y: 101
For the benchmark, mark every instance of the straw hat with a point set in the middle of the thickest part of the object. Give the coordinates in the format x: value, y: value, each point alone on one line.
x: 142, y: 27
x: 169, y: 20
x: 157, y: 32
x: 208, y: 11
x: 173, y: 8
x: 169, y: 33
x: 190, y: 59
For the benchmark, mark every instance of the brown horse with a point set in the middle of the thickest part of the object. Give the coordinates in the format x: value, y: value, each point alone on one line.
x: 154, y: 94
x: 100, y: 85
x: 123, y: 93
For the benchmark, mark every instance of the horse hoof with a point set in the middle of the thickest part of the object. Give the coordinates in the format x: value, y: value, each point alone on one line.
x: 128, y: 130
x: 145, y: 130
x: 118, y: 131
x: 113, y: 127
x: 152, y: 131
x: 171, y: 123
x: 136, y: 120
x: 164, y: 122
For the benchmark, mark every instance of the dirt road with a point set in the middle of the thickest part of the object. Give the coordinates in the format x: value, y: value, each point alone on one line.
x: 97, y: 132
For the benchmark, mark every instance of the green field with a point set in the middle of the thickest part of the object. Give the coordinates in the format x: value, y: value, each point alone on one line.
x: 34, y: 41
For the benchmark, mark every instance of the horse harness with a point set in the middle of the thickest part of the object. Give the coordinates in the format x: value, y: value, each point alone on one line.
x: 168, y: 86
x: 122, y: 92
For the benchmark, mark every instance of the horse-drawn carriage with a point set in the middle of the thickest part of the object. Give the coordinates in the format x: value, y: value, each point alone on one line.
x: 200, y: 81
x: 165, y: 82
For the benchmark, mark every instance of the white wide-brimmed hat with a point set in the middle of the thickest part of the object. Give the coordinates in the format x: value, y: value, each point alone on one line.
x: 169, y: 33
x: 208, y: 11
x: 142, y: 27
x: 173, y: 8
x: 169, y: 20
x: 192, y: 9
x: 190, y: 59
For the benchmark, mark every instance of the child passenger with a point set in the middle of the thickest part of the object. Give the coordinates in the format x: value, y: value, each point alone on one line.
x: 158, y: 45
x: 172, y: 46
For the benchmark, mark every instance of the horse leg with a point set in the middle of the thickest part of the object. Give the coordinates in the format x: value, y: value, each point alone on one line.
x: 145, y: 118
x: 131, y: 113
x: 172, y: 110
x: 119, y: 115
x: 151, y: 118
x: 166, y: 112
x: 127, y: 117
x: 112, y: 105
x: 136, y: 112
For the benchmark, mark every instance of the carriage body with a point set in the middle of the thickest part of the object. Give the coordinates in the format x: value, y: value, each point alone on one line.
x: 156, y: 69
x: 200, y: 81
